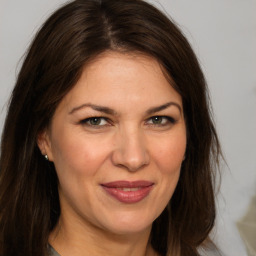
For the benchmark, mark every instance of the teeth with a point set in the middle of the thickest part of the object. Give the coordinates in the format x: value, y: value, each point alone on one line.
x: 129, y: 189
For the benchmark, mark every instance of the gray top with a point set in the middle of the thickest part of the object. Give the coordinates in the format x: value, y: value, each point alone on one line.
x: 51, y: 251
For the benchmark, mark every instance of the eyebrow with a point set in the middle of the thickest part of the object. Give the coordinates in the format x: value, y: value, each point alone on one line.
x: 110, y: 111
x: 102, y: 109
x: 162, y: 107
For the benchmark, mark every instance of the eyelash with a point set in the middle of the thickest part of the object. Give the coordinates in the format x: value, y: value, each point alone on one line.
x: 95, y: 118
x: 168, y: 120
x: 88, y: 121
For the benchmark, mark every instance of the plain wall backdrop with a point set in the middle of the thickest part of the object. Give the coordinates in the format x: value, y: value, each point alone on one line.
x: 223, y: 35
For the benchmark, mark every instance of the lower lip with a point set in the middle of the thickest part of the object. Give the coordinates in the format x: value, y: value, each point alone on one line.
x: 129, y: 197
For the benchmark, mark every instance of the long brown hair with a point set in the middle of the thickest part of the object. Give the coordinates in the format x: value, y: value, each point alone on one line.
x: 72, y: 36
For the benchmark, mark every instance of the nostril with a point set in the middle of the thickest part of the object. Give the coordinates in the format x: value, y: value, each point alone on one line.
x: 131, y: 160
x: 130, y: 151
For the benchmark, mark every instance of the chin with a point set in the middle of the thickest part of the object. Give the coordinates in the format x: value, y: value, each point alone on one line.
x: 130, y: 229
x: 125, y: 224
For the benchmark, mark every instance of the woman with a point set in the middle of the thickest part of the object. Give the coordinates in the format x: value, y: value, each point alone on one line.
x: 108, y: 146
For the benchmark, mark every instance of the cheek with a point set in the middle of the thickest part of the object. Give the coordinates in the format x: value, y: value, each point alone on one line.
x: 169, y: 154
x: 169, y: 158
x: 78, y: 155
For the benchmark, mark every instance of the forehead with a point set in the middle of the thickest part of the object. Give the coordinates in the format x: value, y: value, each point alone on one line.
x: 113, y: 78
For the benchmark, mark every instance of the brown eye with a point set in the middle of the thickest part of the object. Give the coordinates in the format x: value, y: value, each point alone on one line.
x: 157, y: 120
x: 161, y: 120
x: 95, y: 121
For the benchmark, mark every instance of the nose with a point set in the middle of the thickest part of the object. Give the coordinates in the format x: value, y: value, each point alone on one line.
x: 130, y: 151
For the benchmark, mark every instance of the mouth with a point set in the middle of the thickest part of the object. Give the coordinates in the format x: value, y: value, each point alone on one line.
x: 128, y: 191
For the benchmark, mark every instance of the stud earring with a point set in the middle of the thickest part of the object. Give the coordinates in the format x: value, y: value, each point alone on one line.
x: 46, y: 157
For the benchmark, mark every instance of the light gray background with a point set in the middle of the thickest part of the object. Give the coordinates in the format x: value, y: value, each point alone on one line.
x: 223, y: 34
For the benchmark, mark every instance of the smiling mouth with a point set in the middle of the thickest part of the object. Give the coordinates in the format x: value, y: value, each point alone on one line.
x: 128, y: 191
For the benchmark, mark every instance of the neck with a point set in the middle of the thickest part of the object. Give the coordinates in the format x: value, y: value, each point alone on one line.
x: 83, y: 240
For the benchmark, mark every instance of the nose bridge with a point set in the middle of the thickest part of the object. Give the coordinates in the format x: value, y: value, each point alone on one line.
x: 131, y: 149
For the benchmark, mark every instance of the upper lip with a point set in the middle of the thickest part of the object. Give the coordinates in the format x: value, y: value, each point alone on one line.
x: 128, y: 184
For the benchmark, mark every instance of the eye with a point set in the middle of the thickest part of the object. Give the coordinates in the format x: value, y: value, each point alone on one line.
x: 95, y: 121
x: 161, y: 120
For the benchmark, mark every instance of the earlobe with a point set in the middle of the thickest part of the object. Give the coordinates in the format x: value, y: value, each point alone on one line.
x: 44, y: 144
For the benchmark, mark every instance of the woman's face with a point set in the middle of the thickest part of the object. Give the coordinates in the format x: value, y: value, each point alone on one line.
x: 117, y: 140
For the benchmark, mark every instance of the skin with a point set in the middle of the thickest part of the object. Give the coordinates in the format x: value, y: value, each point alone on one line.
x: 127, y: 142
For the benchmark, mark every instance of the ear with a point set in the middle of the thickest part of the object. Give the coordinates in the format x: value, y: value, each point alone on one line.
x: 44, y: 144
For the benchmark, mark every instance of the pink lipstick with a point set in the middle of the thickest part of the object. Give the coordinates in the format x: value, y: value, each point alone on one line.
x: 128, y: 191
